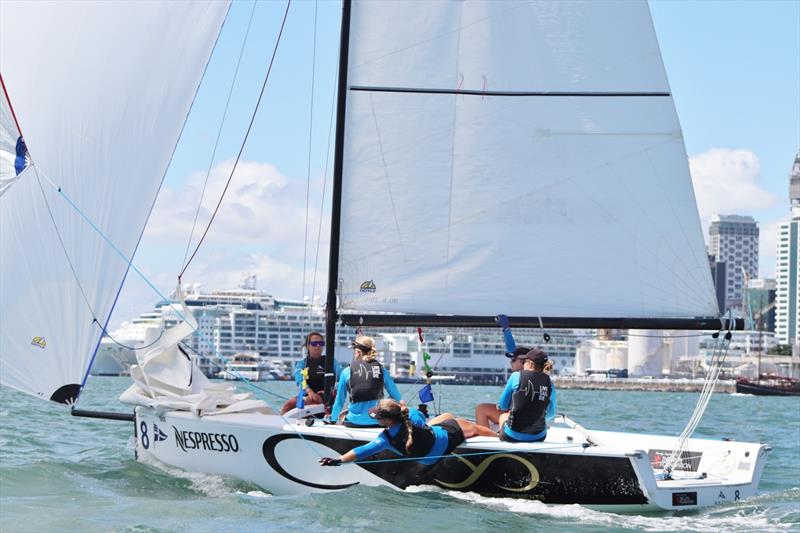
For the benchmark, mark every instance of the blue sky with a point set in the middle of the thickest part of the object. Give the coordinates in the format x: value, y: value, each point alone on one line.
x: 733, y: 66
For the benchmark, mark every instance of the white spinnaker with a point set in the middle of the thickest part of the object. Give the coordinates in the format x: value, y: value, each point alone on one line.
x: 101, y: 91
x: 10, y: 140
x: 507, y: 197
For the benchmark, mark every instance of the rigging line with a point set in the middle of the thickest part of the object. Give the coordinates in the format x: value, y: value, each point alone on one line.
x: 308, y: 167
x: 244, y: 141
x: 47, y: 204
x: 11, y: 107
x: 232, y: 372
x: 277, y: 412
x: 457, y: 455
x: 153, y: 203
x: 324, y: 187
x: 107, y: 334
x: 219, y: 132
x: 61, y: 241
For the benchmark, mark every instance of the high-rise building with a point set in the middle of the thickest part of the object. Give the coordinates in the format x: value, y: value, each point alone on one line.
x: 718, y: 276
x: 787, y: 324
x: 761, y: 304
x: 733, y: 239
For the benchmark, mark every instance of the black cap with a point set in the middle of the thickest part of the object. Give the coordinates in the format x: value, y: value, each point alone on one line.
x: 536, y: 355
x: 516, y: 353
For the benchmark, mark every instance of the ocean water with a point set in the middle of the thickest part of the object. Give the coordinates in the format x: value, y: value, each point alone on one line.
x: 61, y: 473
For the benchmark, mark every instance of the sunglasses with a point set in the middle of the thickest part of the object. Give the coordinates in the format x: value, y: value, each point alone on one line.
x: 316, y: 343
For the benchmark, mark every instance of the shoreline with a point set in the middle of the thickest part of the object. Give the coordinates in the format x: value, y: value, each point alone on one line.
x: 638, y: 384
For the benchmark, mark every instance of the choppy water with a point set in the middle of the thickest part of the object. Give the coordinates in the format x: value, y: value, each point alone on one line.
x: 60, y: 473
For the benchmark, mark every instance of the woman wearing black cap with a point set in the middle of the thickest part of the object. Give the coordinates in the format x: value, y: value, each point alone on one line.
x: 408, y: 434
x: 530, y: 398
x: 489, y: 413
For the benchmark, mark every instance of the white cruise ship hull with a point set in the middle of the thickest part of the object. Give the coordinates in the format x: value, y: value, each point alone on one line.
x: 619, y: 475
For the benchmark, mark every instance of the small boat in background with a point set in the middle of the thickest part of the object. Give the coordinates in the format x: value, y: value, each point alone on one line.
x: 247, y: 365
x: 769, y: 386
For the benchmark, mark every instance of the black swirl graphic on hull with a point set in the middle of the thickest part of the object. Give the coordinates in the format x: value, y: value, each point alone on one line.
x: 268, y: 449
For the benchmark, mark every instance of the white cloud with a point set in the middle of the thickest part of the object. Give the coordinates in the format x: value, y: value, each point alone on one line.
x: 259, y: 229
x: 768, y: 248
x: 727, y: 181
x: 261, y: 207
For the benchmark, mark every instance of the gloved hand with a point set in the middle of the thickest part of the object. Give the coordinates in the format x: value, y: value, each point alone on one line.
x: 508, y: 337
x: 330, y: 461
x: 502, y: 321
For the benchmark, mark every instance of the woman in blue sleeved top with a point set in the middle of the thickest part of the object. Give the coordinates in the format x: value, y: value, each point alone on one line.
x: 530, y: 399
x: 315, y: 380
x: 408, y: 434
x: 362, y: 384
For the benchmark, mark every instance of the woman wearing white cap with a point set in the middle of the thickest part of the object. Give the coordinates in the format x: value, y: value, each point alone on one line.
x: 363, y: 385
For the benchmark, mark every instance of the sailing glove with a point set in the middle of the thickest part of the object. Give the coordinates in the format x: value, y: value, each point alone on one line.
x: 330, y: 461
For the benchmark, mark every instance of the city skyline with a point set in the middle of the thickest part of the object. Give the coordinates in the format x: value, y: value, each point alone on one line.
x: 735, y: 97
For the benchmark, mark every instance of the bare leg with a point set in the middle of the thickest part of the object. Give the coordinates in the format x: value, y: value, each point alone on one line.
x: 441, y: 418
x: 470, y: 429
x: 502, y: 419
x: 485, y: 413
x: 290, y: 404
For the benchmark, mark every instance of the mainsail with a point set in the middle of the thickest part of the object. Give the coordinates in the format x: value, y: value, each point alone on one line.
x: 522, y: 157
x: 100, y: 91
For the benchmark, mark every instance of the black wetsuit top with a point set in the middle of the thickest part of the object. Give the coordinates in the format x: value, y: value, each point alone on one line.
x: 366, y: 381
x: 529, y: 402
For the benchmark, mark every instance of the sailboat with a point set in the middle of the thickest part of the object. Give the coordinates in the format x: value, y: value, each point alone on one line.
x: 519, y: 157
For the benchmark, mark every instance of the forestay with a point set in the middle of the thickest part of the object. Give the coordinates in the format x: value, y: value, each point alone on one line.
x: 101, y: 91
x: 522, y: 157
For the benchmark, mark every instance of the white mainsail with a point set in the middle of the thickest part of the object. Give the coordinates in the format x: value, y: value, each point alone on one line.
x: 522, y: 157
x: 100, y: 91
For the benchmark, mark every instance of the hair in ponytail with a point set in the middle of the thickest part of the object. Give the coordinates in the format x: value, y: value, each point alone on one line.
x: 409, y: 428
x: 548, y: 366
x: 394, y: 410
x: 366, y: 345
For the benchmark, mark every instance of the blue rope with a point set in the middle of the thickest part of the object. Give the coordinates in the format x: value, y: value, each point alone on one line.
x: 146, y: 280
x: 492, y: 452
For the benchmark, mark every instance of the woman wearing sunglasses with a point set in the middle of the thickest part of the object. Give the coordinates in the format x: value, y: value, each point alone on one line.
x: 314, y: 362
x: 408, y: 434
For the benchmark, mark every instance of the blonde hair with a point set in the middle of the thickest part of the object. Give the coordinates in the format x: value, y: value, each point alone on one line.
x: 548, y: 366
x: 366, y: 345
x: 397, y: 411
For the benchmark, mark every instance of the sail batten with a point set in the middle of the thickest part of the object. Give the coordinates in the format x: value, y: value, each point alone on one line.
x: 516, y: 157
x: 101, y: 110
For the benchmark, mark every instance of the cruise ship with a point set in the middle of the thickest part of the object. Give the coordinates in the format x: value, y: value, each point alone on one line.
x: 249, y: 320
x: 117, y: 351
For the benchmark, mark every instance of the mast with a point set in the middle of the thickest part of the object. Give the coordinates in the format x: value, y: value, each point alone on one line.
x: 336, y: 208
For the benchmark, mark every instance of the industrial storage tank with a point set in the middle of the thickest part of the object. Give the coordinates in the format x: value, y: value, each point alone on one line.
x: 648, y: 351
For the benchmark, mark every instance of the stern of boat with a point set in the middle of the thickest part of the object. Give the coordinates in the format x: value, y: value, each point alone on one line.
x: 708, y: 473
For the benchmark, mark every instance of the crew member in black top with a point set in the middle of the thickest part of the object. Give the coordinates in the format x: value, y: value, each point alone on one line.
x: 531, y: 399
x: 315, y: 380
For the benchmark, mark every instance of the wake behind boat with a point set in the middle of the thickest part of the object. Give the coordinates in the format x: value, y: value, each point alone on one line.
x: 535, y: 124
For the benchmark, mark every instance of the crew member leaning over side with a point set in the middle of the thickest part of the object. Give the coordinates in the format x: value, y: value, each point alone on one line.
x: 531, y: 400
x: 406, y: 433
x: 363, y: 384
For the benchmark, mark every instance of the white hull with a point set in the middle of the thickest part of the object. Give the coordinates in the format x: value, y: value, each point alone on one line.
x: 281, y: 458
x: 249, y: 375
